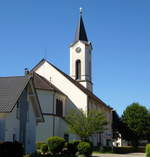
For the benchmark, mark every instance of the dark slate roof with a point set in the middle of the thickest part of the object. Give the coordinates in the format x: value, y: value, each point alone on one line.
x: 80, y: 31
x: 42, y: 83
x: 10, y: 91
x: 81, y: 87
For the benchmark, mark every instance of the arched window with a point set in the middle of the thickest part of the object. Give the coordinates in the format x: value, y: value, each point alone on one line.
x: 78, y: 70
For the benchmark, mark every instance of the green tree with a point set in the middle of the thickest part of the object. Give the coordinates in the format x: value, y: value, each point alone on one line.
x: 148, y: 128
x: 119, y: 127
x: 85, y: 124
x: 136, y: 117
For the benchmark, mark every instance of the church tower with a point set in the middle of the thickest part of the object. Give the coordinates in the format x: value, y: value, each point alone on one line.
x: 80, y: 56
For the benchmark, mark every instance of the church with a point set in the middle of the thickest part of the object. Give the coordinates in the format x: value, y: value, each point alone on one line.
x: 33, y: 107
x: 59, y: 92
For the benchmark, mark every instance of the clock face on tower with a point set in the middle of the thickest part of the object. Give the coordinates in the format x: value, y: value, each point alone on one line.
x: 78, y: 49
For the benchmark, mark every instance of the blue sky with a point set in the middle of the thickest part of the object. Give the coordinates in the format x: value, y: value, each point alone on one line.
x: 118, y: 29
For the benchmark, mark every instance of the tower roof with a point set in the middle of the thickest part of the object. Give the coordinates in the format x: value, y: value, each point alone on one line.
x: 80, y: 31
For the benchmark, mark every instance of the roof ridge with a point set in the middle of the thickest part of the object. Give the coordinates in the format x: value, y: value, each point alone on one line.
x: 81, y: 87
x: 40, y: 62
x: 51, y: 85
x: 85, y: 90
x: 11, y: 76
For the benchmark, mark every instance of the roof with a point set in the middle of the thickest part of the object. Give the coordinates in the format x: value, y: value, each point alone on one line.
x: 42, y: 83
x: 81, y: 87
x: 80, y: 31
x: 10, y: 90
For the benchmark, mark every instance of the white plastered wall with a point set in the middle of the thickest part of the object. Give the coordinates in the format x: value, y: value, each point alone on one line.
x: 30, y: 129
x: 86, y: 63
x: 47, y: 100
x: 12, y: 125
x: 78, y: 98
x: 53, y: 126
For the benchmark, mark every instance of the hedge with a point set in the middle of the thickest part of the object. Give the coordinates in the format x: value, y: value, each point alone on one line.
x: 128, y: 149
x: 148, y: 150
x: 44, y: 148
x: 38, y: 145
x: 11, y: 149
x: 55, y: 144
x: 85, y: 148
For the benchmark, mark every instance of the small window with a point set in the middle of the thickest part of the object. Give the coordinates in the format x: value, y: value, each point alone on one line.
x: 59, y: 107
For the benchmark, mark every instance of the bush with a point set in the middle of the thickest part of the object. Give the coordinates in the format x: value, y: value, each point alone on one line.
x: 68, y: 148
x: 85, y: 148
x: 11, y: 149
x: 148, y: 150
x: 38, y: 145
x: 124, y: 150
x: 81, y: 155
x: 72, y: 146
x: 106, y: 149
x: 56, y: 144
x: 35, y: 154
x: 26, y: 155
x: 44, y: 148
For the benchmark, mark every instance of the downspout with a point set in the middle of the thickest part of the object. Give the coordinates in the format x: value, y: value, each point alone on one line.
x: 88, y: 109
x: 53, y: 114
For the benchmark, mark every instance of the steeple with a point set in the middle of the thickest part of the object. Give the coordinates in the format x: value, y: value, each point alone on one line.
x: 80, y: 31
x: 81, y: 57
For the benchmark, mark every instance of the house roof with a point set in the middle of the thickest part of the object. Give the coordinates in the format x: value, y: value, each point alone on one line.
x: 10, y: 91
x: 81, y: 87
x: 42, y: 83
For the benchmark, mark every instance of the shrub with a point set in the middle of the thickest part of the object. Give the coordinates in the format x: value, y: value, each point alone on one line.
x: 38, y: 145
x: 81, y: 155
x: 72, y: 146
x: 106, y: 149
x: 26, y: 155
x: 11, y: 149
x: 35, y: 154
x: 56, y: 144
x: 124, y: 150
x: 69, y: 148
x: 148, y: 150
x: 44, y: 148
x: 85, y: 148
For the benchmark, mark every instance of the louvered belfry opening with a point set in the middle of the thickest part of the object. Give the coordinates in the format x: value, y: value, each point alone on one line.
x: 78, y: 70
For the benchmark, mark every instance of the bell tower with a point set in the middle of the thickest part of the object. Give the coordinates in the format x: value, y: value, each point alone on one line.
x: 80, y: 56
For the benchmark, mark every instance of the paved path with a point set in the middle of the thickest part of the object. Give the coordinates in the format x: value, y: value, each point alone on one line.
x: 120, y: 155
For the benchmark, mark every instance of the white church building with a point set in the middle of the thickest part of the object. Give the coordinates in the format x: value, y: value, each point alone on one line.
x: 33, y: 107
x: 59, y: 92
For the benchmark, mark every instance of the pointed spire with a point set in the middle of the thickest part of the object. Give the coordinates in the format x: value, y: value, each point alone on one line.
x: 80, y: 32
